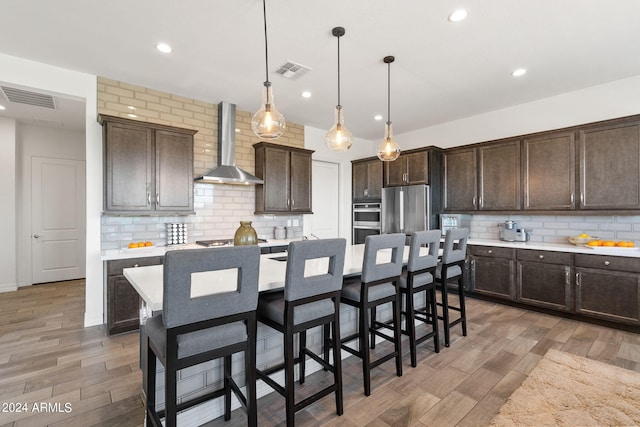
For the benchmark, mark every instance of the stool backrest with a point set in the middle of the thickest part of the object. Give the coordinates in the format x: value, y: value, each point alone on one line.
x: 455, y: 245
x: 178, y: 306
x: 328, y: 278
x: 430, y: 238
x: 392, y: 243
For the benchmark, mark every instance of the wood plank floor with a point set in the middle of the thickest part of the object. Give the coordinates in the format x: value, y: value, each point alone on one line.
x: 47, y: 358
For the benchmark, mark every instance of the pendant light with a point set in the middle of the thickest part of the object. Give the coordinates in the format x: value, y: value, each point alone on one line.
x: 338, y: 138
x: 267, y: 123
x: 388, y: 150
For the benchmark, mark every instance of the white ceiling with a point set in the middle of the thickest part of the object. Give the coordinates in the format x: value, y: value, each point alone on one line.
x: 443, y: 71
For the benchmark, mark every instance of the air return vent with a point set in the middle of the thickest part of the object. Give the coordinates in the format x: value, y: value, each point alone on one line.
x: 291, y: 70
x: 20, y: 96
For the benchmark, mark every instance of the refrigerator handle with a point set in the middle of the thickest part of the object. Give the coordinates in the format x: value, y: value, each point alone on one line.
x: 401, y: 199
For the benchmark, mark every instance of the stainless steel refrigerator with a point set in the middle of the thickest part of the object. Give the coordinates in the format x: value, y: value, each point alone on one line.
x: 406, y: 209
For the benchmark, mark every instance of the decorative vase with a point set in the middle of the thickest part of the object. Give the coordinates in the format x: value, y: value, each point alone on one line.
x: 245, y: 234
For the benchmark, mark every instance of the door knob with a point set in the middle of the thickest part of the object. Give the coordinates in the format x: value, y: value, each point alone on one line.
x: 36, y: 236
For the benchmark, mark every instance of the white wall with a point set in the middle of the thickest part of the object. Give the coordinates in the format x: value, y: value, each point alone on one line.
x: 8, y: 280
x: 608, y: 101
x: 57, y: 80
x: 44, y: 142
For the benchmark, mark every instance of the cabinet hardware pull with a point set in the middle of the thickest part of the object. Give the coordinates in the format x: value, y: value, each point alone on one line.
x: 148, y: 198
x: 474, y: 201
x: 489, y: 251
x: 607, y: 263
x: 578, y: 279
x: 541, y: 256
x: 158, y: 199
x: 136, y: 265
x: 581, y: 198
x: 567, y: 280
x: 480, y: 201
x: 572, y: 198
x: 293, y: 202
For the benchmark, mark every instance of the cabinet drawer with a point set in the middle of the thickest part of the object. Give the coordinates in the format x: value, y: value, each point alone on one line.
x: 604, y: 262
x: 115, y: 267
x: 549, y: 257
x: 492, y: 251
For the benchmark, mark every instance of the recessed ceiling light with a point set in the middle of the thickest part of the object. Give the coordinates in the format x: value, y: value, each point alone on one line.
x: 2, y: 107
x: 306, y: 94
x: 519, y: 72
x: 377, y: 117
x: 458, y: 15
x: 164, y: 48
x: 133, y: 116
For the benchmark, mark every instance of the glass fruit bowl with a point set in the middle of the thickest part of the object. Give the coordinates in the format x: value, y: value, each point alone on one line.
x: 581, y: 240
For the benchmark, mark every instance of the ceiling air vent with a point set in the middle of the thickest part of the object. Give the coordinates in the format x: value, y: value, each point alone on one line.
x: 291, y: 70
x: 20, y: 96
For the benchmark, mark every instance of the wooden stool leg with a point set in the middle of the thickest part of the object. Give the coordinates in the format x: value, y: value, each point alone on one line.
x: 372, y: 324
x: 289, y: 378
x: 411, y: 325
x: 431, y: 301
x: 301, y: 354
x: 397, y: 334
x: 227, y: 387
x: 337, y: 367
x: 364, y: 349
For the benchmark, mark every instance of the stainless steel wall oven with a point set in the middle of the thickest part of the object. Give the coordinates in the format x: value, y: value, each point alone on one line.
x: 367, y: 220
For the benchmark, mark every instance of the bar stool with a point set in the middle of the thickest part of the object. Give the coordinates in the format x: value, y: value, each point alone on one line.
x: 311, y: 297
x: 421, y: 270
x: 378, y: 285
x: 451, y: 268
x: 194, y: 330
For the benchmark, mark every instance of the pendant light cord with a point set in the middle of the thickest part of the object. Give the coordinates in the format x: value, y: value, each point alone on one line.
x: 339, y: 71
x: 388, y: 92
x: 266, y: 48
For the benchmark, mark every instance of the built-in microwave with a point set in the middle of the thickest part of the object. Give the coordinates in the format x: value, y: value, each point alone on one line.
x: 367, y: 220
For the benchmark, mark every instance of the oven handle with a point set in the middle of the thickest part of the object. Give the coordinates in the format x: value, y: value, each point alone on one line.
x: 366, y: 227
x: 366, y: 209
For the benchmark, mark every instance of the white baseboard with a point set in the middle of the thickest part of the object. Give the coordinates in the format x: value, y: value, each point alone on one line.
x: 8, y: 287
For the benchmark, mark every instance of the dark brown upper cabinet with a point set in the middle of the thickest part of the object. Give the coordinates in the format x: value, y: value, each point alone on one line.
x: 410, y: 168
x: 286, y: 172
x: 609, y: 159
x: 460, y: 181
x: 366, y: 179
x: 148, y: 168
x: 499, y: 176
x: 548, y: 172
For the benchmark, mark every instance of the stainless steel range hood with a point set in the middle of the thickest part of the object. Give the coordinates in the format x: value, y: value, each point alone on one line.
x: 226, y: 172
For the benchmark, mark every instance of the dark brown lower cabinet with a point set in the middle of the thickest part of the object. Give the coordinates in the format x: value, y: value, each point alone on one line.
x: 493, y: 272
x: 608, y: 287
x: 123, y: 301
x: 544, y: 279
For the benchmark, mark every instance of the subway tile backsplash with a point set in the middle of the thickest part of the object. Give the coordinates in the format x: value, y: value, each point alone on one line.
x: 219, y: 210
x: 556, y: 229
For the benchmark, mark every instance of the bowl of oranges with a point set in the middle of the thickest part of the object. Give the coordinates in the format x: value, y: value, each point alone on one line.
x: 136, y: 245
x: 582, y: 239
x: 626, y: 244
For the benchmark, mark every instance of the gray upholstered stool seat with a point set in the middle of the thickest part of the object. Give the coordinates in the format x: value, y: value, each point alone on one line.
x: 378, y: 285
x: 451, y: 268
x: 216, y: 325
x: 307, y: 301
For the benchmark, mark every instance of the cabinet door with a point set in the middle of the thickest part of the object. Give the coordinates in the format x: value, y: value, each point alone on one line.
x: 417, y: 168
x: 493, y: 277
x: 608, y: 295
x: 128, y: 167
x: 374, y: 179
x: 276, y: 179
x: 300, y: 182
x: 459, y: 180
x: 123, y: 304
x: 395, y: 172
x: 549, y: 172
x: 174, y: 171
x: 499, y: 176
x: 544, y: 285
x: 359, y: 180
x: 610, y: 167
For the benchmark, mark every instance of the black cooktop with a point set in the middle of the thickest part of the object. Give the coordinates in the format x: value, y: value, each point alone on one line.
x: 221, y: 242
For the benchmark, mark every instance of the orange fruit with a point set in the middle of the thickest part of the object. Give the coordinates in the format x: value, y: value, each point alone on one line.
x: 608, y: 243
x: 133, y: 245
x: 594, y: 243
x: 148, y: 243
x: 631, y: 245
x: 141, y: 244
x: 621, y: 244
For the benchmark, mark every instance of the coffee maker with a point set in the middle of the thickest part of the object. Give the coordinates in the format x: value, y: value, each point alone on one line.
x: 508, y: 231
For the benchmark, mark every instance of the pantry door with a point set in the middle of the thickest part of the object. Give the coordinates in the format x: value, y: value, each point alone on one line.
x: 57, y: 219
x: 324, y: 223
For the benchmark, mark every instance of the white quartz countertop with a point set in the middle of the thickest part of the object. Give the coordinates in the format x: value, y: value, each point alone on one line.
x: 558, y: 247
x: 160, y: 250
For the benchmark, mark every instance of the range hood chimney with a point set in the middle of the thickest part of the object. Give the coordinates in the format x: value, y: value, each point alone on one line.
x: 226, y: 172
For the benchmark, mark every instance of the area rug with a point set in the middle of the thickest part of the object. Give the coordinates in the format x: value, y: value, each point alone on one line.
x: 568, y: 390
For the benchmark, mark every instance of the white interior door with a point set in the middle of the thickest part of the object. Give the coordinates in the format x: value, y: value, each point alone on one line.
x: 57, y: 219
x: 324, y: 223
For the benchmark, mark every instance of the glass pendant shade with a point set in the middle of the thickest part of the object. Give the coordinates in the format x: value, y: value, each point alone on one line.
x: 268, y: 123
x: 388, y: 150
x: 339, y: 138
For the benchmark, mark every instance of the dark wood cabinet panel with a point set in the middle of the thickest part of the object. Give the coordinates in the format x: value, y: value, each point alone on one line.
x: 493, y: 271
x: 544, y: 279
x: 610, y: 167
x: 608, y: 295
x: 148, y: 168
x: 410, y: 168
x: 286, y: 172
x: 366, y: 178
x: 123, y: 301
x: 460, y: 180
x: 499, y: 176
x: 549, y: 172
